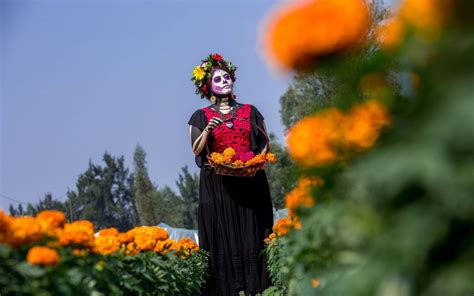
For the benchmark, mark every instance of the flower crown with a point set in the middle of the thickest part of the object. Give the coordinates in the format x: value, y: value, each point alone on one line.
x: 203, y: 72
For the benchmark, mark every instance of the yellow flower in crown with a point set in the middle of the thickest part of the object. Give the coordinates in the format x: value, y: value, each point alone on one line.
x: 198, y: 73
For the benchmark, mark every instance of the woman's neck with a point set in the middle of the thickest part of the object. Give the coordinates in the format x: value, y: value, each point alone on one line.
x: 224, y: 102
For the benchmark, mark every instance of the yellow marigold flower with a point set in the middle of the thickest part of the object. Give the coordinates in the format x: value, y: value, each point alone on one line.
x: 312, y: 140
x: 42, y: 256
x: 365, y: 123
x: 25, y: 230
x: 77, y: 232
x: 301, y: 31
x: 300, y: 196
x: 198, y: 73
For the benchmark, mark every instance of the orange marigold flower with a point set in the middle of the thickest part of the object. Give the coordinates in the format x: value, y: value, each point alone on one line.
x: 300, y: 196
x: 301, y: 31
x: 164, y: 246
x: 112, y: 231
x: 327, y: 136
x: 270, y: 157
x: 42, y: 256
x: 53, y: 218
x: 315, y: 282
x: 77, y: 232
x: 5, y: 221
x: 312, y: 140
x: 427, y: 16
x: 124, y: 238
x: 25, y: 230
x: 146, y: 237
x: 105, y: 245
x: 390, y: 33
x: 364, y: 124
x: 228, y: 154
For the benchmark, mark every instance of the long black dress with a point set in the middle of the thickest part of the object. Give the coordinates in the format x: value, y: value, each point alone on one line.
x: 234, y: 215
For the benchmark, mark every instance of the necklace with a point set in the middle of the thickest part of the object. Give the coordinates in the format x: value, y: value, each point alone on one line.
x: 228, y: 121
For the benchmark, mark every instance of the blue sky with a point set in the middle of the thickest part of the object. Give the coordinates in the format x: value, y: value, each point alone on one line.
x: 78, y: 78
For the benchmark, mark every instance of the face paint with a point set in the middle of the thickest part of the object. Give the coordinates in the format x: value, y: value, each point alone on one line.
x: 221, y: 82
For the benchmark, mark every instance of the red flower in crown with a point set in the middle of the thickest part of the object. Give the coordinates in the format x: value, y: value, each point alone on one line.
x: 217, y: 57
x: 204, y: 88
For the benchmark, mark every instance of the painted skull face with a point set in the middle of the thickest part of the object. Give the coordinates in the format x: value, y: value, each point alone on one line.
x: 221, y: 82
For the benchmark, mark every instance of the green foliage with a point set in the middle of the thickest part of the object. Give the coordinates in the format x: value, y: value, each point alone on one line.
x: 143, y: 189
x: 46, y: 203
x: 104, y: 195
x: 399, y: 219
x: 188, y: 186
x: 281, y: 175
x: 143, y: 274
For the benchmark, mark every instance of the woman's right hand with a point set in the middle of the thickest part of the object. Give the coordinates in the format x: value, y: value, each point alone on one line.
x: 213, y: 123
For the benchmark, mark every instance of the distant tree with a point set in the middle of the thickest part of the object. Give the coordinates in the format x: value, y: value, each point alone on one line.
x: 144, y: 190
x: 169, y: 207
x: 46, y: 203
x: 188, y: 186
x: 104, y: 195
x: 281, y: 175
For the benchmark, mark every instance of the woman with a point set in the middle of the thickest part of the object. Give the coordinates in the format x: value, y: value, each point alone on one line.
x: 235, y: 213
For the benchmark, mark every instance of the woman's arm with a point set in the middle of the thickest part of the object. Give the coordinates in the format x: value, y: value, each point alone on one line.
x: 199, y: 138
x: 267, y: 145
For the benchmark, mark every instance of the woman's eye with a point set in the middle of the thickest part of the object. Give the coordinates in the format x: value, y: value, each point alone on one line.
x: 227, y: 76
x: 217, y: 79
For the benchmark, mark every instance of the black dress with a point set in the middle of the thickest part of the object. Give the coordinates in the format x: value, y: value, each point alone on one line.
x: 234, y: 216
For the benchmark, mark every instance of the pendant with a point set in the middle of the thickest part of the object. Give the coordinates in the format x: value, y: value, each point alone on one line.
x: 229, y: 124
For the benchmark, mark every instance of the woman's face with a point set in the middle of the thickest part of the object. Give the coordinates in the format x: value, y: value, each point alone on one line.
x: 221, y: 82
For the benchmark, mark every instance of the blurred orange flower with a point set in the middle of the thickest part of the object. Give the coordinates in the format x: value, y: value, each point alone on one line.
x: 327, y: 136
x: 300, y: 196
x: 5, y: 221
x: 364, y: 124
x: 25, y: 229
x: 77, y: 232
x: 105, y: 244
x: 42, y: 256
x: 299, y: 32
x: 311, y: 140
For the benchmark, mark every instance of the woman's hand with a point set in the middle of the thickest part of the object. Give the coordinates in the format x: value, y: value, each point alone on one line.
x: 213, y: 123
x: 198, y: 138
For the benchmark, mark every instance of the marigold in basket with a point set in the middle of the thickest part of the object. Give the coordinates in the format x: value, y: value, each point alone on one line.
x: 239, y: 160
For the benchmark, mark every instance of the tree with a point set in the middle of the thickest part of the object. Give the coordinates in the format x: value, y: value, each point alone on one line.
x: 188, y: 186
x: 46, y: 203
x: 104, y: 195
x: 169, y: 207
x: 281, y: 175
x: 144, y: 190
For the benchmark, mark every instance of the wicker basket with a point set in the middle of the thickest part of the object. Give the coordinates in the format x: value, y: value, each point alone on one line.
x: 245, y: 171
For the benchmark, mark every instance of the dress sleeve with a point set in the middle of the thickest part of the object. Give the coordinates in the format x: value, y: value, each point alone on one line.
x: 258, y: 139
x: 198, y: 119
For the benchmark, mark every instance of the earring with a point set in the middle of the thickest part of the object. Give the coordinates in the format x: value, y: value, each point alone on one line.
x: 234, y: 96
x: 213, y: 99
